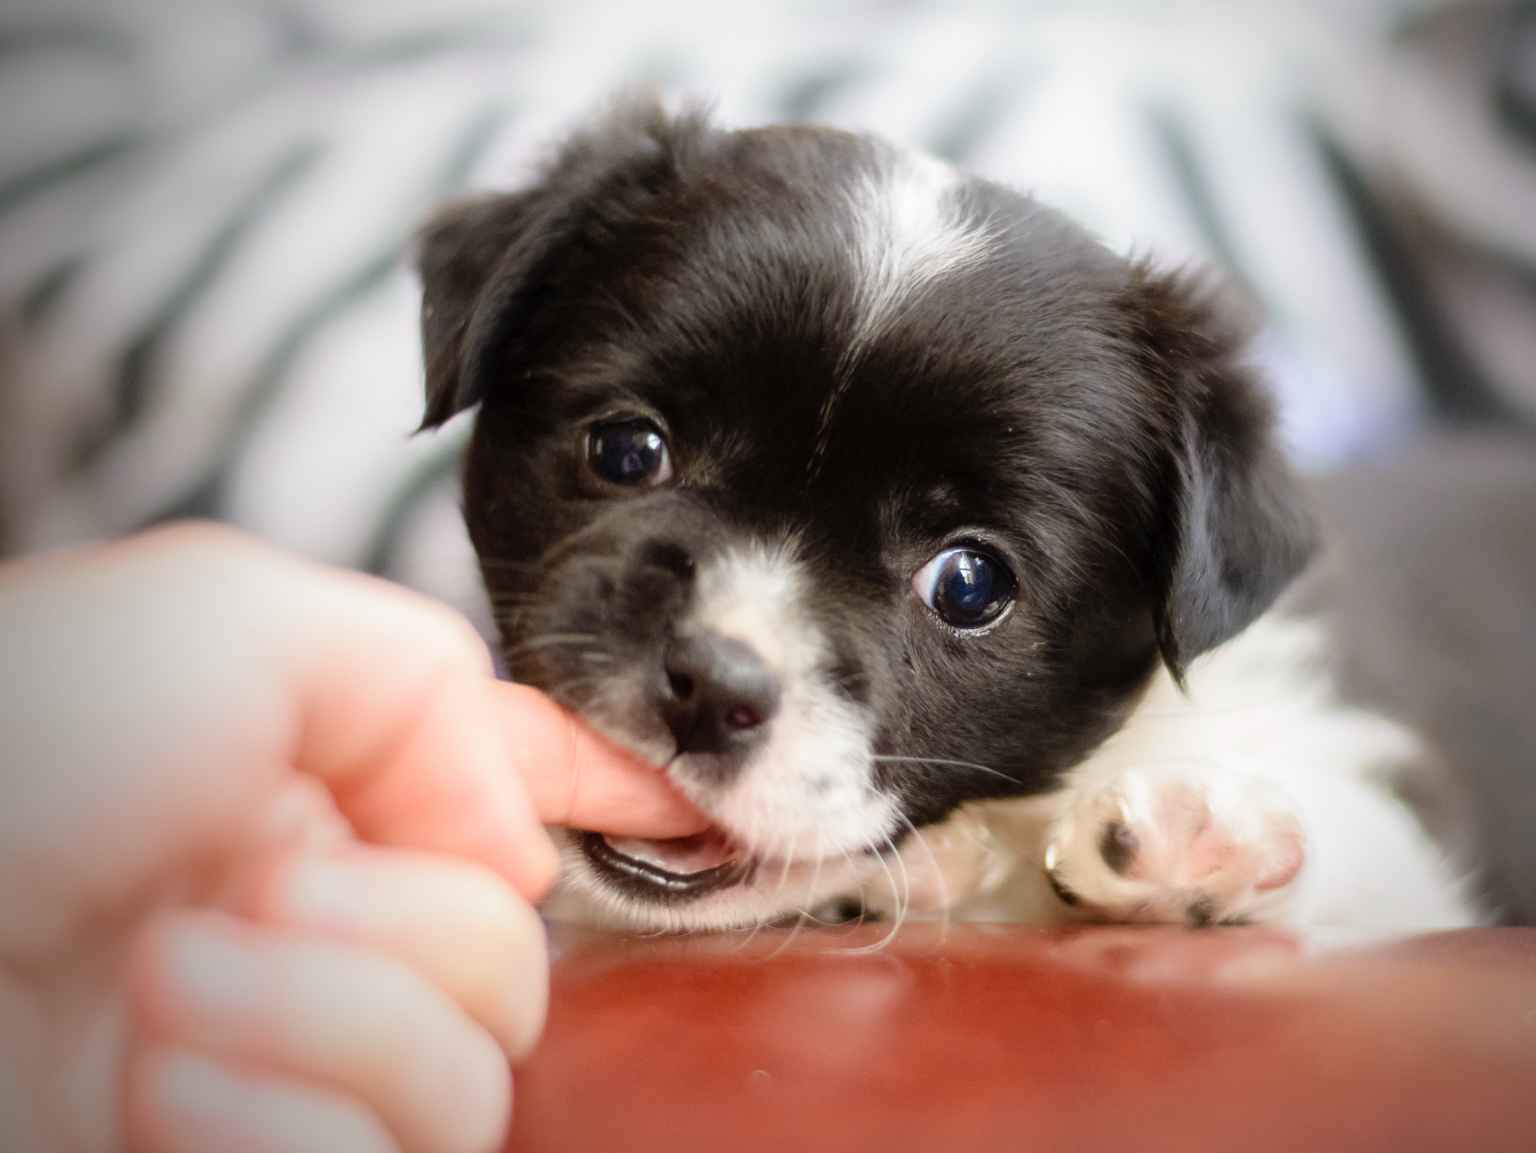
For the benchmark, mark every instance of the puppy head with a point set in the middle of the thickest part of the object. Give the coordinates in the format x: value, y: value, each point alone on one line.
x: 846, y: 488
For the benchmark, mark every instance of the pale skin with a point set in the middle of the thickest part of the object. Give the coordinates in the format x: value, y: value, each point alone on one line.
x: 270, y: 838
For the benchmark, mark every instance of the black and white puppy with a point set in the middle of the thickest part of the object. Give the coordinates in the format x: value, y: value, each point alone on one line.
x: 931, y: 547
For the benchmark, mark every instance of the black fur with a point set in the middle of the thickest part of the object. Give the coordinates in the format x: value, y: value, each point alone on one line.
x: 1086, y: 418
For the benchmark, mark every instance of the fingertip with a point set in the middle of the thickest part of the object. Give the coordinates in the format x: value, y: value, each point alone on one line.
x: 576, y: 777
x: 541, y: 866
x: 452, y: 786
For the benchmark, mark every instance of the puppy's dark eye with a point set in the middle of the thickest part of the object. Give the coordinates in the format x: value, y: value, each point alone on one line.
x: 965, y: 587
x: 630, y: 452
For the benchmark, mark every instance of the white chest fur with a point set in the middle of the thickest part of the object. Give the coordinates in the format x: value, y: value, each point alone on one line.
x: 1257, y: 794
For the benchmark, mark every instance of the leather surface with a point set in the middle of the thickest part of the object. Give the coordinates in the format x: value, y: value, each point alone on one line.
x: 983, y: 1038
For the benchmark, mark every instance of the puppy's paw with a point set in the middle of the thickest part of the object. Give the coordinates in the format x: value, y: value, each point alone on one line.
x: 1175, y: 846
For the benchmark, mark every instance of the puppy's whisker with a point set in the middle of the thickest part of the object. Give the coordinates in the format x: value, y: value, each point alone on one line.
x: 800, y: 914
x: 511, y: 616
x: 506, y: 562
x: 858, y: 874
x: 553, y: 640
x: 557, y: 552
x: 757, y: 917
x: 900, y: 911
x: 940, y: 762
x: 569, y: 689
x: 509, y: 596
x: 1195, y: 712
x: 901, y: 896
x: 906, y: 879
x: 789, y: 860
x: 594, y: 680
x: 778, y: 889
x: 938, y: 875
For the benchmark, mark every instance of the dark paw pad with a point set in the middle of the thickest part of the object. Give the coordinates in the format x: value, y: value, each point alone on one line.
x: 1063, y: 894
x: 844, y: 910
x: 1201, y: 912
x: 1118, y: 846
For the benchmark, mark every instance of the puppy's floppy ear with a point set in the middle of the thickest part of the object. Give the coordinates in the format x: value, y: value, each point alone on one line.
x: 1232, y: 509
x: 491, y: 267
x: 457, y: 254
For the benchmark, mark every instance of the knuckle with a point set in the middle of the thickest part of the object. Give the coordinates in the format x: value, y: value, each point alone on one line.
x: 497, y: 904
x: 204, y: 543
x: 463, y: 647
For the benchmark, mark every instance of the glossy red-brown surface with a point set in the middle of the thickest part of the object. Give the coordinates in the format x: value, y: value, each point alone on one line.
x: 990, y: 1038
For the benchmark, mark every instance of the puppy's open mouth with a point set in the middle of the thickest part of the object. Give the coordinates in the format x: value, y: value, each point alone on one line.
x: 680, y: 867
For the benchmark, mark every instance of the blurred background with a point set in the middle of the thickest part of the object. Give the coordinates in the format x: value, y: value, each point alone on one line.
x: 207, y: 306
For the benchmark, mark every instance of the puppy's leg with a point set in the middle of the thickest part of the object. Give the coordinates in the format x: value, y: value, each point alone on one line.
x: 1171, y: 845
x: 1202, y: 844
x: 1258, y: 794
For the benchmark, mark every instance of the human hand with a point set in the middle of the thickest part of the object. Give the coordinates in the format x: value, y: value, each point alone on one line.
x: 268, y: 838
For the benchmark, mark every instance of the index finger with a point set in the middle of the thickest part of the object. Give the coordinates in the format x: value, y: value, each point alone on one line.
x: 423, y: 748
x: 577, y: 779
x: 397, y: 715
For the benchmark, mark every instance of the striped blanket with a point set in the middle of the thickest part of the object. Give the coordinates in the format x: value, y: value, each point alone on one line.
x: 206, y: 304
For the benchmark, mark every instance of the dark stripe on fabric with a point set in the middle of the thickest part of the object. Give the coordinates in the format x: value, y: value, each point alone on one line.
x: 1519, y: 271
x: 135, y: 370
x: 32, y: 38
x: 299, y: 32
x: 1189, y: 173
x: 484, y: 127
x: 302, y: 34
x: 206, y: 497
x: 1514, y: 80
x: 403, y: 505
x: 47, y: 290
x: 501, y: 33
x: 974, y: 118
x: 1459, y: 390
x: 48, y: 176
x: 806, y: 94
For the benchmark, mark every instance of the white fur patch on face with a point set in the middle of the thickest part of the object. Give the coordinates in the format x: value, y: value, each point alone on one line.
x: 804, y: 805
x: 753, y: 595
x: 909, y: 233
x: 807, y: 791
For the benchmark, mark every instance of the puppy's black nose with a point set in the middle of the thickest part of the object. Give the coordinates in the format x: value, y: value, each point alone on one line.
x: 719, y: 694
